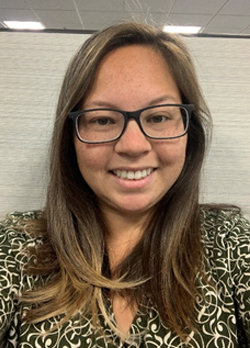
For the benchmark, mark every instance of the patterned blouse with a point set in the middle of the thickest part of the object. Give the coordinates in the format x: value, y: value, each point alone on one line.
x: 223, y: 315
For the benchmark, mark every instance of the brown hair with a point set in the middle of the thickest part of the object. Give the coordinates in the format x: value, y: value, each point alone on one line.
x: 164, y: 263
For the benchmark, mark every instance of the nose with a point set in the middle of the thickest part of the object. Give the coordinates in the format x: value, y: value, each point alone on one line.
x: 133, y: 142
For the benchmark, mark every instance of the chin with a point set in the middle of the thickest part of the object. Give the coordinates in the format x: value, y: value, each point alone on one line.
x: 136, y: 209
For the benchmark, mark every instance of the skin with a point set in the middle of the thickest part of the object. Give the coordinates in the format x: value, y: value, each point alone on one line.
x: 130, y: 78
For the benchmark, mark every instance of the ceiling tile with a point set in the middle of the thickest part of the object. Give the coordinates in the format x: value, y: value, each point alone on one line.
x: 236, y: 7
x: 188, y: 19
x: 59, y: 19
x: 93, y: 26
x: 13, y: 4
x: 152, y: 18
x: 157, y: 19
x: 148, y: 6
x: 96, y: 20
x: 215, y: 16
x: 222, y: 21
x: 63, y: 5
x: 197, y: 6
x: 246, y: 31
x: 220, y: 30
x: 20, y: 15
x: 100, y: 5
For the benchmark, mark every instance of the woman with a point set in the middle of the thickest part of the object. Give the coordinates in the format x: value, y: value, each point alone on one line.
x: 123, y: 254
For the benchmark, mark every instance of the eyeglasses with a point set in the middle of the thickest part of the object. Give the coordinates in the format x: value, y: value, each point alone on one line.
x: 168, y: 121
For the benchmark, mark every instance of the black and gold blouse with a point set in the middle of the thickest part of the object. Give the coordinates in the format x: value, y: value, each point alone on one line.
x: 223, y: 312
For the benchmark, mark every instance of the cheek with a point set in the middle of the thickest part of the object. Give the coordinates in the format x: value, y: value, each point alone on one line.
x: 90, y: 158
x: 174, y: 153
x: 86, y: 161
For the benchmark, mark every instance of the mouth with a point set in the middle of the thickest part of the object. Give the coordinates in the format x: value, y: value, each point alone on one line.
x: 132, y: 175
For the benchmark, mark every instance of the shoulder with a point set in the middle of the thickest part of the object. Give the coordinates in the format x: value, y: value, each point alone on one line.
x: 13, y: 227
x: 226, y: 241
x: 14, y: 240
x: 221, y: 227
x: 14, y: 237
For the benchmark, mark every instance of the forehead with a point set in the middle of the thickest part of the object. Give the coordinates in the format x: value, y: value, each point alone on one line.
x: 133, y: 70
x: 132, y: 65
x: 124, y: 58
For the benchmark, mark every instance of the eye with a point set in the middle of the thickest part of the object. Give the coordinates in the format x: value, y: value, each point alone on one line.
x: 156, y: 119
x: 102, y: 121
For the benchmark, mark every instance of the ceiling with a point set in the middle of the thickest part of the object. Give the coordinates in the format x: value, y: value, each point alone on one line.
x: 214, y: 16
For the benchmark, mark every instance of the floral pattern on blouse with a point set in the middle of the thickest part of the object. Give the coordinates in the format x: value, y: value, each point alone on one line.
x: 223, y: 313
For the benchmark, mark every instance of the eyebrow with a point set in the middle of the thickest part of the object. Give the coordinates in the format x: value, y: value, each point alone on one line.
x: 165, y: 98
x: 100, y: 103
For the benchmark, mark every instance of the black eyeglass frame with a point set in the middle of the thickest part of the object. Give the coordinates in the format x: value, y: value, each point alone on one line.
x: 74, y: 115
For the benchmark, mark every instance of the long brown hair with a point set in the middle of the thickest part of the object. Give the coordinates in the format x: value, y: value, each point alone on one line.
x: 163, y: 265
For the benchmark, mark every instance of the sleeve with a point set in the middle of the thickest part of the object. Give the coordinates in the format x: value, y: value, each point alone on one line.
x: 10, y: 274
x: 238, y: 246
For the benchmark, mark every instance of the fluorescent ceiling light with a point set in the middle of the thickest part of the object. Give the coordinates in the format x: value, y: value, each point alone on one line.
x: 181, y: 29
x: 24, y: 25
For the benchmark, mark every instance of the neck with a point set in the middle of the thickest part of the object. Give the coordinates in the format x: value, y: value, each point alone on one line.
x: 124, y: 233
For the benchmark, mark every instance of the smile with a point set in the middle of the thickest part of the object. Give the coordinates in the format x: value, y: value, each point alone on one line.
x: 131, y: 175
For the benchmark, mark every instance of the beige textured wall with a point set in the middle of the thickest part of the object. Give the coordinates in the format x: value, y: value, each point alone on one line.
x: 31, y: 70
x: 223, y: 66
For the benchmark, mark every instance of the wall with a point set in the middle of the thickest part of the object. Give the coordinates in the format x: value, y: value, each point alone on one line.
x: 223, y: 67
x: 31, y: 70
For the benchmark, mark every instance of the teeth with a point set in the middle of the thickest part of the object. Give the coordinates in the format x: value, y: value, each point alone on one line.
x: 130, y: 175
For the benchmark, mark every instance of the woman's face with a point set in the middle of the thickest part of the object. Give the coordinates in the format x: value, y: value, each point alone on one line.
x: 131, y: 78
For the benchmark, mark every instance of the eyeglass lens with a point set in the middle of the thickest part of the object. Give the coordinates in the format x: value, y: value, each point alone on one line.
x: 157, y: 122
